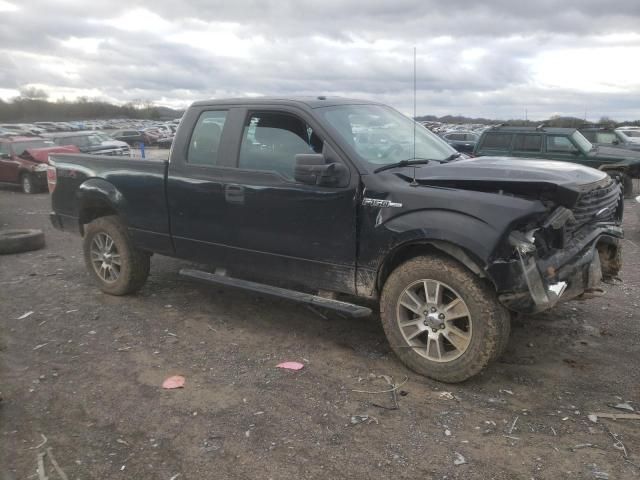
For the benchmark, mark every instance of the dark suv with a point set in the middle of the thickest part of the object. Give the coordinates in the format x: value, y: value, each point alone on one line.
x: 461, y: 141
x: 608, y: 137
x: 565, y: 144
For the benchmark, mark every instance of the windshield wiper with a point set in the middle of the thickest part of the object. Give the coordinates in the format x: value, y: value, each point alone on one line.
x: 402, y: 163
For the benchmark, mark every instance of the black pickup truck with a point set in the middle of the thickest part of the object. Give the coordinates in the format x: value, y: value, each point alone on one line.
x: 309, y: 198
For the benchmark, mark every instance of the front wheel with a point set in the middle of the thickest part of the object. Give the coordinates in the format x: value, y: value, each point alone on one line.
x: 113, y: 262
x: 441, y: 320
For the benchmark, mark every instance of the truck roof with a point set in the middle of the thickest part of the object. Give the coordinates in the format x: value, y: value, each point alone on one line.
x: 309, y: 102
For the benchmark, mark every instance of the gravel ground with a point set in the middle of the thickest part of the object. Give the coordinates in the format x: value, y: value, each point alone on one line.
x: 84, y: 370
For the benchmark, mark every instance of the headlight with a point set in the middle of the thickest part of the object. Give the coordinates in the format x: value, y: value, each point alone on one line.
x: 41, y: 167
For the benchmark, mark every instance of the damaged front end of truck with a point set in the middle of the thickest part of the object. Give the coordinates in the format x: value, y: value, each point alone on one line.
x: 562, y: 254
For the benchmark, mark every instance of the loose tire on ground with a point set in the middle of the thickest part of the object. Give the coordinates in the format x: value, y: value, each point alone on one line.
x: 17, y: 241
x: 127, y: 268
x: 489, y: 321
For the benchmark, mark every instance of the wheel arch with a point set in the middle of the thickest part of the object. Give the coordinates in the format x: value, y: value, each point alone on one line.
x: 99, y: 198
x: 416, y: 248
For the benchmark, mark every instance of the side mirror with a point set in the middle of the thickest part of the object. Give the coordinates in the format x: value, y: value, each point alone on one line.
x: 313, y: 169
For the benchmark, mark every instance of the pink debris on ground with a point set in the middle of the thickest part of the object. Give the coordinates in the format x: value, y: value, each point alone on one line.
x: 291, y: 365
x: 177, y: 381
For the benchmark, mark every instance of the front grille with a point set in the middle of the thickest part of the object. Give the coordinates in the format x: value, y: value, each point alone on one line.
x: 590, y: 203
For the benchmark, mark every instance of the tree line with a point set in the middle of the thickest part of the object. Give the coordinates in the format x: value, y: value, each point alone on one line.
x: 32, y: 105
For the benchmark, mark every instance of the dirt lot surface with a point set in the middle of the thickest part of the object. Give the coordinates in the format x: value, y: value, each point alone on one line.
x: 84, y: 371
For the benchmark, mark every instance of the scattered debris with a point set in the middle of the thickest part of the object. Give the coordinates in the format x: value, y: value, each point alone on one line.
x: 447, y: 395
x: 506, y: 391
x: 175, y: 476
x: 593, y: 418
x: 176, y: 381
x: 459, y: 460
x: 357, y: 419
x: 22, y: 317
x: 618, y: 443
x: 317, y: 312
x: 38, y: 347
x: 601, y: 475
x: 291, y: 365
x: 44, y: 440
x: 121, y: 441
x: 511, y: 437
x: 513, y: 425
x: 583, y: 445
x: 41, y: 474
x: 623, y: 406
x: 617, y: 416
x: 447, y: 432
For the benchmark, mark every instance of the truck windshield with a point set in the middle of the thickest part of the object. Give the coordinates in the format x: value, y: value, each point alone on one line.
x: 381, y: 135
x: 584, y: 144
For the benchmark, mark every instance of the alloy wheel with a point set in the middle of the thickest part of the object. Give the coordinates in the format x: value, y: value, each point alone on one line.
x: 434, y: 320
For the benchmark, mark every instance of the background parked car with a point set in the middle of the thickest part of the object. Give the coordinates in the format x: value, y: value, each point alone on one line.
x: 92, y: 143
x: 24, y: 161
x: 631, y: 134
x: 563, y: 144
x: 132, y: 137
x: 608, y: 137
x: 462, y: 141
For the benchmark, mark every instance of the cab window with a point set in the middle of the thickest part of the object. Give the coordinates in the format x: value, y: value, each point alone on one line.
x: 205, y: 139
x: 557, y: 143
x: 497, y: 141
x: 527, y: 143
x: 271, y: 141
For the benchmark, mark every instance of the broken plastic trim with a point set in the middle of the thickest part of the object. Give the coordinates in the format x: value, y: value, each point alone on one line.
x: 543, y: 298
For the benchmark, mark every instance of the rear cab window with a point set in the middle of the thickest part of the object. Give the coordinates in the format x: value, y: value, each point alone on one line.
x: 205, y: 139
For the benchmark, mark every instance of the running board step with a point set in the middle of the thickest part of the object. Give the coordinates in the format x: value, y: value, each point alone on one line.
x: 343, y: 307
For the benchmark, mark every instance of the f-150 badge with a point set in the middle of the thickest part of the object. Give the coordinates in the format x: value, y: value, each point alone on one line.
x: 374, y: 202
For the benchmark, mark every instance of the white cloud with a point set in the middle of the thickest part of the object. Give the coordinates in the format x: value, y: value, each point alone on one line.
x: 492, y: 58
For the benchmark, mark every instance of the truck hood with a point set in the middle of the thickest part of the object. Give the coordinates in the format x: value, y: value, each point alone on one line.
x: 521, y: 177
x: 41, y: 155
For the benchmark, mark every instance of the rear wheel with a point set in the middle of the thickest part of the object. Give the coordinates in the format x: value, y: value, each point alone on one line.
x: 115, y: 265
x: 441, y: 320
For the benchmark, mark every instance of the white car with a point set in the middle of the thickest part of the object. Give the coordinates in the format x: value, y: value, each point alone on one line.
x: 631, y: 134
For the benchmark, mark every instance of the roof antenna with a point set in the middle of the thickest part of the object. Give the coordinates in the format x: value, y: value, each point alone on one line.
x: 413, y: 182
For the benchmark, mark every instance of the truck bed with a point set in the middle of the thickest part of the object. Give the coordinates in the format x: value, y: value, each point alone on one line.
x: 135, y: 189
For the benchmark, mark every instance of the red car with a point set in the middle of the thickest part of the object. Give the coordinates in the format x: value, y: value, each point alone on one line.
x: 25, y: 160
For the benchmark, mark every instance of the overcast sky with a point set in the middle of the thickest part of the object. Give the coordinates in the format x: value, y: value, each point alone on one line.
x: 491, y: 58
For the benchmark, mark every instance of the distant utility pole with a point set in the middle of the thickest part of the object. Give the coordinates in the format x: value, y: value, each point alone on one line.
x: 526, y: 116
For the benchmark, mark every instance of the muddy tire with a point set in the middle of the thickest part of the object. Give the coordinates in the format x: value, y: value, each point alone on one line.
x: 115, y: 265
x: 17, y: 241
x: 441, y: 320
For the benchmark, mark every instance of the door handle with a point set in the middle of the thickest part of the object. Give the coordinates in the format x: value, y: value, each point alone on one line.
x: 234, y: 193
